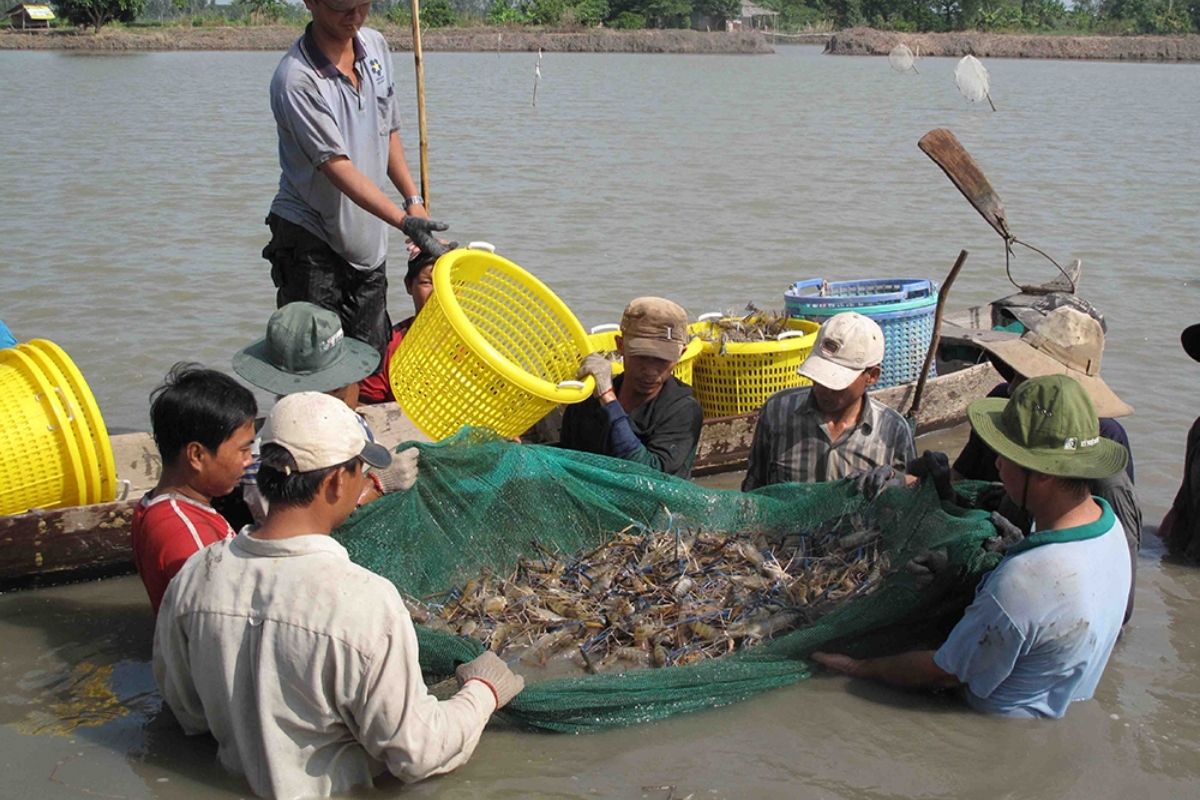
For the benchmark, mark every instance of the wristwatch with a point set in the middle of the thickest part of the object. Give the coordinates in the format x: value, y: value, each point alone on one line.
x: 415, y: 200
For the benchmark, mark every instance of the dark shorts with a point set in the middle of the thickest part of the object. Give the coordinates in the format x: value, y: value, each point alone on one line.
x: 303, y: 267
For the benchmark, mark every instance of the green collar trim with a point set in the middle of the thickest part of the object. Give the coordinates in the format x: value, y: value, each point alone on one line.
x: 1077, y: 534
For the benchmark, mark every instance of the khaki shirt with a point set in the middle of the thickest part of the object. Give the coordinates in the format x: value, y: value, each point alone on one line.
x: 304, y: 668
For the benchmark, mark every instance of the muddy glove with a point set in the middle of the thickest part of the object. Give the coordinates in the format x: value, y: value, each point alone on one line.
x: 990, y: 497
x: 1009, y: 534
x: 599, y: 368
x: 420, y: 230
x: 936, y: 467
x: 873, y: 481
x: 493, y: 673
x: 927, y: 566
x: 402, y: 473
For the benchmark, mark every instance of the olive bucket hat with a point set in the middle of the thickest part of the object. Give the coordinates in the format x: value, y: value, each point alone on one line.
x: 1049, y: 426
x: 305, y: 351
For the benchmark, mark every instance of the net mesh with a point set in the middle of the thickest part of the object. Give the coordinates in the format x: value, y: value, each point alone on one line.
x: 481, y: 501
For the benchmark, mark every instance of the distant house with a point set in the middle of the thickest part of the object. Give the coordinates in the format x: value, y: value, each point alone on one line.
x: 30, y: 16
x: 755, y: 16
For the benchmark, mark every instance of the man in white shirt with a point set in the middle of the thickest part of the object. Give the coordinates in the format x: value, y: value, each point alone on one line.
x: 302, y: 665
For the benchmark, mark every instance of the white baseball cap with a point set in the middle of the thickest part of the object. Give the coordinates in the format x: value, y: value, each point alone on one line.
x: 847, y: 344
x: 320, y: 431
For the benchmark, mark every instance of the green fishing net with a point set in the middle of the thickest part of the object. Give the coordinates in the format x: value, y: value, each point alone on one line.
x: 482, y: 502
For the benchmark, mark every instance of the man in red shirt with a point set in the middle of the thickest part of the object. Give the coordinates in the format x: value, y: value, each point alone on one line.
x: 203, y: 424
x: 418, y: 282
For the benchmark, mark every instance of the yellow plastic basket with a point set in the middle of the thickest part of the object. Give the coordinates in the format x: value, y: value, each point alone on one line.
x: 493, y: 347
x: 84, y: 414
x: 40, y: 462
x: 603, y: 339
x: 739, y: 377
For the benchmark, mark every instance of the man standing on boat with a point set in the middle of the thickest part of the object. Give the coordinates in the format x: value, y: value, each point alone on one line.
x: 1043, y: 623
x: 303, y: 665
x: 644, y: 415
x: 337, y: 115
x: 832, y: 429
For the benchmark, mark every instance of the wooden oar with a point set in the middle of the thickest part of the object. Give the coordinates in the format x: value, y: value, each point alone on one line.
x: 419, y: 63
x: 915, y: 408
x: 948, y: 153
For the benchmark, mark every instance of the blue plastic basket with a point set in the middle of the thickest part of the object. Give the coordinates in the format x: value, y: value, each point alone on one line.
x: 903, y: 307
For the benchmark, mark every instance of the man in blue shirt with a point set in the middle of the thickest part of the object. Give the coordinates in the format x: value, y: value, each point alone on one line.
x: 1043, y: 623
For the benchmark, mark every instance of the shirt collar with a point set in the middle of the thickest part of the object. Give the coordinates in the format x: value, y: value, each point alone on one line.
x: 320, y: 62
x: 868, y: 417
x: 282, y: 548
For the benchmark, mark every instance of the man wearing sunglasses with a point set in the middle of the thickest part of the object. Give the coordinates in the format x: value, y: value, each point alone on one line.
x: 338, y: 120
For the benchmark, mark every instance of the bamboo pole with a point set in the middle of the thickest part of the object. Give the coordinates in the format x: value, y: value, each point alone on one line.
x: 419, y: 64
x: 915, y: 408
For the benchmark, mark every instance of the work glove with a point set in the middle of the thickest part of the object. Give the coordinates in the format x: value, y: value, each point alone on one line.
x: 935, y: 466
x: 420, y: 230
x: 990, y: 497
x: 925, y: 567
x: 402, y: 473
x: 599, y: 368
x: 493, y: 673
x: 1008, y: 534
x: 871, y: 482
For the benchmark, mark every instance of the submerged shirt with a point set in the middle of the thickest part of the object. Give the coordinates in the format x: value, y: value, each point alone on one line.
x: 304, y: 668
x: 667, y: 428
x: 320, y: 115
x: 167, y: 530
x: 1043, y: 624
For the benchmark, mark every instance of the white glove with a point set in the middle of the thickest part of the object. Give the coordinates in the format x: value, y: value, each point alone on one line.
x: 402, y: 473
x: 599, y: 368
x: 493, y: 673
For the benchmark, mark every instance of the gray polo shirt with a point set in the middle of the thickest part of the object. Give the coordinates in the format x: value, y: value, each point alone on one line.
x: 319, y: 115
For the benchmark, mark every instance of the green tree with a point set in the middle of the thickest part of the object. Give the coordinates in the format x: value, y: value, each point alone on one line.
x: 590, y: 12
x: 628, y: 21
x: 437, y: 14
x: 99, y: 13
x: 545, y: 12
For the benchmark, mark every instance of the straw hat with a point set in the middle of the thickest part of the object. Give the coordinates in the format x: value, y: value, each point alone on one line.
x: 1065, y: 341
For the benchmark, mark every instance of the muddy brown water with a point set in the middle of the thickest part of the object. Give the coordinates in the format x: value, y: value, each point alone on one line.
x: 135, y: 191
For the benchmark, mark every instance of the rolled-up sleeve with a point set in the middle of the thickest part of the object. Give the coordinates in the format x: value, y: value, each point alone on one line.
x: 399, y: 723
x: 983, y: 647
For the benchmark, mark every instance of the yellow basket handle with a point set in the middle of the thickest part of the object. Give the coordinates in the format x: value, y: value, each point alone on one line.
x: 571, y: 385
x: 790, y: 335
x: 608, y: 326
x: 488, y: 246
x: 710, y: 316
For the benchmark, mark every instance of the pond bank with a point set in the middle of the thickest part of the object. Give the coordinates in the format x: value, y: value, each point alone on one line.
x: 477, y: 40
x: 870, y: 42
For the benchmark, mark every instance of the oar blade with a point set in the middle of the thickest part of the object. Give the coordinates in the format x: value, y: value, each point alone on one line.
x: 941, y: 145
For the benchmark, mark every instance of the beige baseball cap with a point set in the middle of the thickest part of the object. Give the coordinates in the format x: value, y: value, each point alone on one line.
x: 320, y: 431
x: 653, y: 326
x: 847, y: 344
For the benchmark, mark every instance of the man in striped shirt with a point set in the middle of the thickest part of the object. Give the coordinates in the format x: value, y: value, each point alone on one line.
x: 832, y: 429
x: 203, y: 423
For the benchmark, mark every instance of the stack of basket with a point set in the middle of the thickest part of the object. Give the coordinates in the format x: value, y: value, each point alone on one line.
x: 54, y: 446
x: 903, y: 307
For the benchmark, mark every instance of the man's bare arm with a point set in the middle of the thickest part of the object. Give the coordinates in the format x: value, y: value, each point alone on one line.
x: 912, y: 670
x: 362, y: 190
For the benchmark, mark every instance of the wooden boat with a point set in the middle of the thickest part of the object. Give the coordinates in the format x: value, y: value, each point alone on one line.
x: 44, y: 546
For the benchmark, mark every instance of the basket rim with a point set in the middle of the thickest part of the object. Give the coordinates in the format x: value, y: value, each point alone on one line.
x: 443, y: 294
x: 605, y: 342
x: 58, y: 413
x: 757, y: 348
x: 79, y: 422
